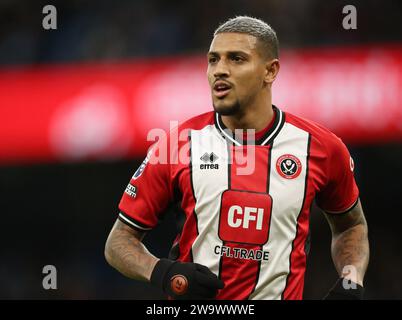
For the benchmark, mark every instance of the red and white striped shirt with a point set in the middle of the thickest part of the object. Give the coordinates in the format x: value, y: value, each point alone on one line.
x: 248, y: 222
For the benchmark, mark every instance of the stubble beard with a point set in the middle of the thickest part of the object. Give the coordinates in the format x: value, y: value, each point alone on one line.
x: 228, y: 110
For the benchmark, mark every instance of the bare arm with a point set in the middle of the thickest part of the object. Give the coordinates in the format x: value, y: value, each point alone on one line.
x: 350, y: 245
x: 125, y: 252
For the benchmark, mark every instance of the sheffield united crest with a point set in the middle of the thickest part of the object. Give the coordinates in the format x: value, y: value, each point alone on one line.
x: 288, y: 166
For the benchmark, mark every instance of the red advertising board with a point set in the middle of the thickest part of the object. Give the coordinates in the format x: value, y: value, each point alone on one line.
x: 104, y: 111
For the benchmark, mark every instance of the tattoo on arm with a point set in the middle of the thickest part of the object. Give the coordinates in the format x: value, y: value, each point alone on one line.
x: 125, y: 252
x: 350, y: 245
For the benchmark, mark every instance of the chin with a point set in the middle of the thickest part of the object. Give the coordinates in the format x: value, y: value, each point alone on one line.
x: 226, y: 109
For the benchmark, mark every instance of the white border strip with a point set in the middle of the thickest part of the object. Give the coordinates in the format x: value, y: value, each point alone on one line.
x: 223, y: 131
x: 343, y: 211
x: 264, y: 142
x: 132, y: 223
x: 276, y: 129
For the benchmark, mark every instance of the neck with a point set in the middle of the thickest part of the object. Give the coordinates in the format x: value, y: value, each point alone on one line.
x: 256, y: 116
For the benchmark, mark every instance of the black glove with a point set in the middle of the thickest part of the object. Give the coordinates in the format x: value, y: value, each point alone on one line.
x: 184, y: 280
x: 338, y: 292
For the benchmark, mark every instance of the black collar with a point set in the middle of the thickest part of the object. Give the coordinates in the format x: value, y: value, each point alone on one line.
x: 268, y: 137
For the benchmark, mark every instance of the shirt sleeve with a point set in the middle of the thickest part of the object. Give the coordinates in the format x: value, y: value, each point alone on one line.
x: 340, y: 194
x: 149, y: 191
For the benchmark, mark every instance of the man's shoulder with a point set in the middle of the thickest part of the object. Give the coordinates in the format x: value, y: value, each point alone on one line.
x: 315, y: 129
x: 323, y: 138
x: 180, y: 133
x: 198, y: 122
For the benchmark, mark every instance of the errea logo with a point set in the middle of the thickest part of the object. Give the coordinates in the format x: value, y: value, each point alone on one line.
x: 209, y: 159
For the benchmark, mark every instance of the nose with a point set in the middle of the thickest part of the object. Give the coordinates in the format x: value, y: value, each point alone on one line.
x: 221, y: 69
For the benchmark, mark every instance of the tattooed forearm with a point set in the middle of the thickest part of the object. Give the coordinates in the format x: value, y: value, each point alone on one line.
x: 125, y: 252
x: 351, y: 248
x: 350, y: 245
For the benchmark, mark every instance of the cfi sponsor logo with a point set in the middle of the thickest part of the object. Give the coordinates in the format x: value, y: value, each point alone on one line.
x: 288, y: 166
x: 209, y: 159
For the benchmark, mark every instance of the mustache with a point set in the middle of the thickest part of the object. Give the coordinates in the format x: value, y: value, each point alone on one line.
x: 223, y: 80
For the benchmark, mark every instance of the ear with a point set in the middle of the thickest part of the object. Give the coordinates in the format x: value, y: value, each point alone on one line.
x: 271, y: 70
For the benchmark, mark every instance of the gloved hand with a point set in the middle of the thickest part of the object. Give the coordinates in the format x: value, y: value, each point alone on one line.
x: 185, y: 280
x: 338, y: 292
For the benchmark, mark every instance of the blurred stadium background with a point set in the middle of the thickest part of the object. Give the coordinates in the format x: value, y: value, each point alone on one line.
x: 76, y: 104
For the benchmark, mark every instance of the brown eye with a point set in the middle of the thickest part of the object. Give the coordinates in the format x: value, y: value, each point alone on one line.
x: 237, y: 58
x: 212, y: 60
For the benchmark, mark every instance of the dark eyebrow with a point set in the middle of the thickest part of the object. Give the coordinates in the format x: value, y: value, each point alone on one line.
x: 216, y: 54
x: 212, y: 53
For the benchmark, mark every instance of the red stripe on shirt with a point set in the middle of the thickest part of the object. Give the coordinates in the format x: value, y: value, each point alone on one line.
x: 241, y: 275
